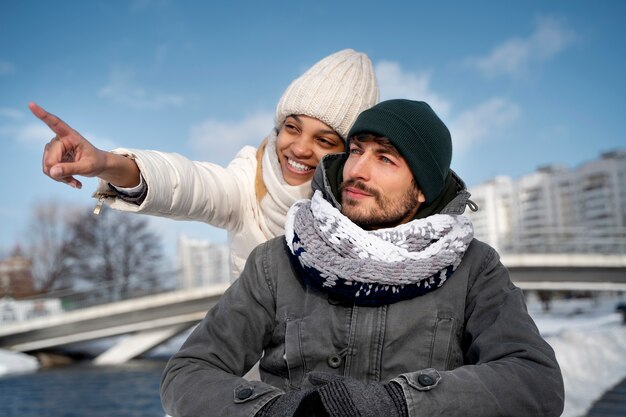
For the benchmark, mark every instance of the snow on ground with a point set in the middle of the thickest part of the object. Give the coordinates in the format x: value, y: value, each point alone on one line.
x: 589, y: 341
x: 592, y: 361
x: 587, y: 335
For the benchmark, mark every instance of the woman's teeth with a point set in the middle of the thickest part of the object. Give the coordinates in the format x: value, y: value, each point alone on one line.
x: 298, y: 166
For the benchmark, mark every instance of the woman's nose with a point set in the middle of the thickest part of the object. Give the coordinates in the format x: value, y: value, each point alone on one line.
x: 302, y: 147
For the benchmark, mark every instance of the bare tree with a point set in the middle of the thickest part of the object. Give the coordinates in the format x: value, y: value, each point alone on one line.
x: 49, y: 242
x: 117, y: 251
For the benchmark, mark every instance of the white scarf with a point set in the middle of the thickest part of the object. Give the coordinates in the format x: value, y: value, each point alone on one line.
x: 280, y: 195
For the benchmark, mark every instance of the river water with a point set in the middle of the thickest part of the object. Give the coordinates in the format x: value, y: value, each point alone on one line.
x: 84, y: 390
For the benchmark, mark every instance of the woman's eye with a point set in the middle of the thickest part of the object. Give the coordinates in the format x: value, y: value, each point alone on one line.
x: 327, y: 142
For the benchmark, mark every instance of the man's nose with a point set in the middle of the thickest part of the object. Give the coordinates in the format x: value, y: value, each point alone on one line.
x: 361, y: 168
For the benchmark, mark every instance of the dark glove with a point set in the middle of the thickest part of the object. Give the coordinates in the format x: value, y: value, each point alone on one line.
x: 285, y: 405
x: 338, y: 396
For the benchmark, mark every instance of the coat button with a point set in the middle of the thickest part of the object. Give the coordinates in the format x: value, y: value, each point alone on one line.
x: 334, y: 361
x: 425, y: 380
x: 244, y: 393
x: 333, y: 301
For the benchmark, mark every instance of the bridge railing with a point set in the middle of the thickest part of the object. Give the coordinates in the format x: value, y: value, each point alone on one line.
x: 58, y: 302
x: 557, y: 240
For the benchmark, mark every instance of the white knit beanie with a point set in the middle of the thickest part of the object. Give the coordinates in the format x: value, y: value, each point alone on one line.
x: 334, y: 90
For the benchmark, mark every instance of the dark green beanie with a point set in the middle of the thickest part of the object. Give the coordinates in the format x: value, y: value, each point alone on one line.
x: 418, y: 134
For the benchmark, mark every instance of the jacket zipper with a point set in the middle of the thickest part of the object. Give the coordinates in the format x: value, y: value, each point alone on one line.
x: 101, y: 195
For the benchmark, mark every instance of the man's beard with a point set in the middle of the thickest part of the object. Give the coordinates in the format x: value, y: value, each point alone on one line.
x: 387, y: 212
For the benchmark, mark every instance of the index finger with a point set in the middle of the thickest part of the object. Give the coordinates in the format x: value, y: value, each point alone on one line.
x: 57, y: 125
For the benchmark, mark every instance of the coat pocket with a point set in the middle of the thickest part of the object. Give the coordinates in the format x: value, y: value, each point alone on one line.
x: 293, y: 353
x: 441, y: 347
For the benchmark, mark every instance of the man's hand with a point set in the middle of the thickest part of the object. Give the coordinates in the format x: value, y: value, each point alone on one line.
x: 69, y: 154
x: 287, y: 405
x: 338, y: 396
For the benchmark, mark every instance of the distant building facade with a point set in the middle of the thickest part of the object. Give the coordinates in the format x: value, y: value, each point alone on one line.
x: 19, y: 310
x: 201, y: 263
x: 17, y: 291
x: 16, y: 280
x: 556, y: 209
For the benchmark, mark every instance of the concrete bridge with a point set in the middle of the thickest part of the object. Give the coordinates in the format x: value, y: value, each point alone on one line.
x: 151, y: 320
x: 567, y: 272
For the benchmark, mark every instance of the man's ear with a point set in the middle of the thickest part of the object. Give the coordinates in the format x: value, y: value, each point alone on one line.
x: 421, y: 198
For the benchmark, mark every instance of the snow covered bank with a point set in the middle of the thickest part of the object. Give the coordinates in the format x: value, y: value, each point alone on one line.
x: 589, y: 340
x: 592, y: 361
x: 13, y: 363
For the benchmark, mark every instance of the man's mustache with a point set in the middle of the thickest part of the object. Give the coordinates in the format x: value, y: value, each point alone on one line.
x: 359, y: 186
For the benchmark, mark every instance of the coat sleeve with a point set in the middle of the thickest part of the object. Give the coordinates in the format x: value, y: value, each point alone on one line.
x: 204, y: 378
x: 182, y: 189
x: 509, y: 369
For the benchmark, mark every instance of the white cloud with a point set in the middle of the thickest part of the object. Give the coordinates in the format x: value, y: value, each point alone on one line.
x: 101, y: 142
x: 122, y: 89
x: 6, y: 68
x: 35, y: 135
x: 551, y: 37
x: 394, y: 82
x: 511, y: 58
x: 514, y: 56
x: 11, y: 113
x: 483, y: 122
x: 219, y: 141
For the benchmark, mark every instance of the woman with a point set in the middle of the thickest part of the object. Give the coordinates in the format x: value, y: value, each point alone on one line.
x: 250, y: 197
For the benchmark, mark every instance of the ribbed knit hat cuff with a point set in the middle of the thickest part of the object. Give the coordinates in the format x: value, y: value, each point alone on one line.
x: 425, y: 168
x: 307, y: 104
x: 335, y: 90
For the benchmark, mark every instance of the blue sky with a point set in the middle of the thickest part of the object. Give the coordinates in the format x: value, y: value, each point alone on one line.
x: 520, y: 84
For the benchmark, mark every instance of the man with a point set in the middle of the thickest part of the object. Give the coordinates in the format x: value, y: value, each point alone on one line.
x: 378, y: 301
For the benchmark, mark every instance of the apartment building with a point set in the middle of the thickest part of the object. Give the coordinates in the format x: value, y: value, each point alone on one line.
x: 494, y: 220
x: 602, y: 203
x: 16, y: 280
x: 556, y: 209
x: 201, y: 263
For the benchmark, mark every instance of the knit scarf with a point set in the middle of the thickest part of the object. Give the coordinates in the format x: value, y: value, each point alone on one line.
x: 372, y: 268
